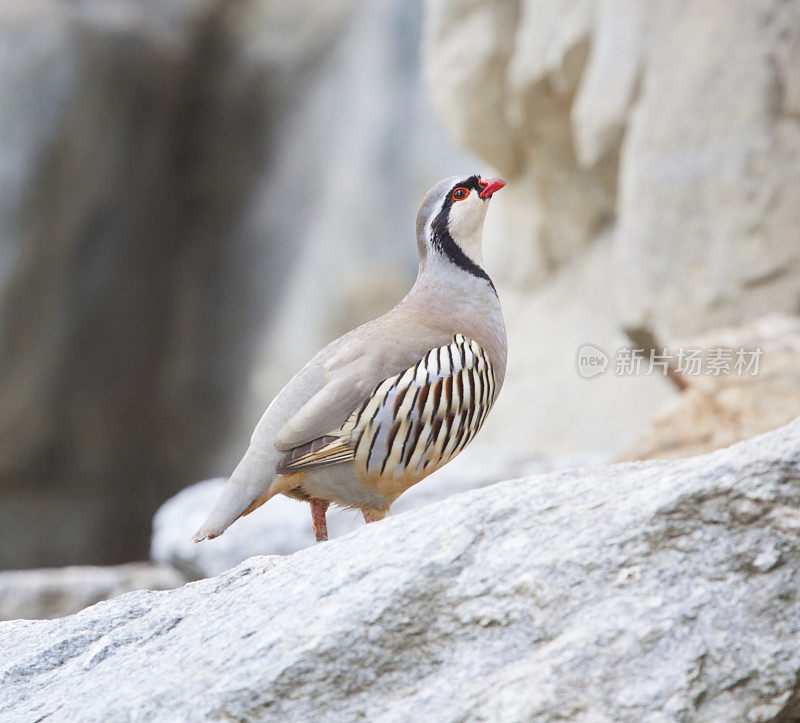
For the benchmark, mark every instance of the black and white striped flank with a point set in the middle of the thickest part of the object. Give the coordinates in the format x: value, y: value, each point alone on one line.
x: 418, y: 421
x: 414, y: 422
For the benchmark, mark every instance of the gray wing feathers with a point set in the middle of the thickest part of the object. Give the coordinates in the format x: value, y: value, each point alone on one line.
x: 351, y: 373
x: 327, y: 410
x: 316, y: 402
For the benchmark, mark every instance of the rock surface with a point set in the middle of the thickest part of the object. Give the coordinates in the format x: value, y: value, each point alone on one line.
x: 716, y: 410
x: 652, y: 591
x: 283, y: 525
x: 51, y: 593
x: 709, y: 203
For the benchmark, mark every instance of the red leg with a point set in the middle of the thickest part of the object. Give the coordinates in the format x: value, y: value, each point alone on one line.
x: 318, y: 510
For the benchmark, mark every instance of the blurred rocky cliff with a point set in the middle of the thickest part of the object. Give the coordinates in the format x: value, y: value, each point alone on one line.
x: 197, y: 194
x: 194, y: 196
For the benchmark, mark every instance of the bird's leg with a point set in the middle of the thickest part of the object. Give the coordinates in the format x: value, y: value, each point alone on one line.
x: 372, y: 515
x: 318, y: 510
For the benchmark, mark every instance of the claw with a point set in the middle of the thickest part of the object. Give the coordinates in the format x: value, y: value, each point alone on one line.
x: 371, y: 515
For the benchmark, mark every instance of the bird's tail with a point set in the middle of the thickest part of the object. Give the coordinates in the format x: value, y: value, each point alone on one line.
x: 250, y: 482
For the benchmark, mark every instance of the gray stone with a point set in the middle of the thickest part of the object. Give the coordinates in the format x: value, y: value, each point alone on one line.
x: 633, y: 592
x: 114, y: 281
x: 283, y: 525
x: 51, y: 593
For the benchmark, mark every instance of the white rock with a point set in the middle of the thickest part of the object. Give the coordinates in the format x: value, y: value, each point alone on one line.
x: 608, y: 85
x: 50, y: 593
x: 513, y: 602
x: 767, y: 559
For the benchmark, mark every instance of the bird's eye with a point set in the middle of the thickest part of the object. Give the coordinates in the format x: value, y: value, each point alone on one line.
x: 460, y: 193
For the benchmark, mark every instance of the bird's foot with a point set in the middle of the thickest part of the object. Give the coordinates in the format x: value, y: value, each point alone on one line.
x: 318, y: 510
x: 372, y: 515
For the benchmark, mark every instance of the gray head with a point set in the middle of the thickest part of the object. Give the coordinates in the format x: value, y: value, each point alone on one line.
x: 450, y: 222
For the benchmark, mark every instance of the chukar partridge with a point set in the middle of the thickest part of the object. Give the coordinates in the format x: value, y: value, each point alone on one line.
x: 387, y: 404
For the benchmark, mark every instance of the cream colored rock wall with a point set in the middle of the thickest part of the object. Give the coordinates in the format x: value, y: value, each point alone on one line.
x: 709, y: 199
x: 652, y: 152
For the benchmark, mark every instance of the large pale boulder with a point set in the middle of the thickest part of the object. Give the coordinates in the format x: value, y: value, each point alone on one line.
x: 708, y: 202
x: 673, y: 123
x: 655, y: 591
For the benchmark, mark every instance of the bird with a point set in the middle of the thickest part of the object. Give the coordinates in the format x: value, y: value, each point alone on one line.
x: 388, y: 403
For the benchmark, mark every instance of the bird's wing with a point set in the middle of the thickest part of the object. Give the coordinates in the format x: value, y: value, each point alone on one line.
x: 412, y: 422
x: 345, y: 375
x: 316, y: 402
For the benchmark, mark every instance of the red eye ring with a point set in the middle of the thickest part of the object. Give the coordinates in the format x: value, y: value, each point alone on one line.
x: 460, y: 193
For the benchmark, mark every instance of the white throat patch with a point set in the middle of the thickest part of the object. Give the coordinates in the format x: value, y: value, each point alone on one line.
x: 465, y: 224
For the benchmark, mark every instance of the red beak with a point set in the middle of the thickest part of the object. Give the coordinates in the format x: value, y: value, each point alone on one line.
x: 490, y: 185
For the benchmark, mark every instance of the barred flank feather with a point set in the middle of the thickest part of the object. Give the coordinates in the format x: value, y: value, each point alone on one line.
x: 414, y: 422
